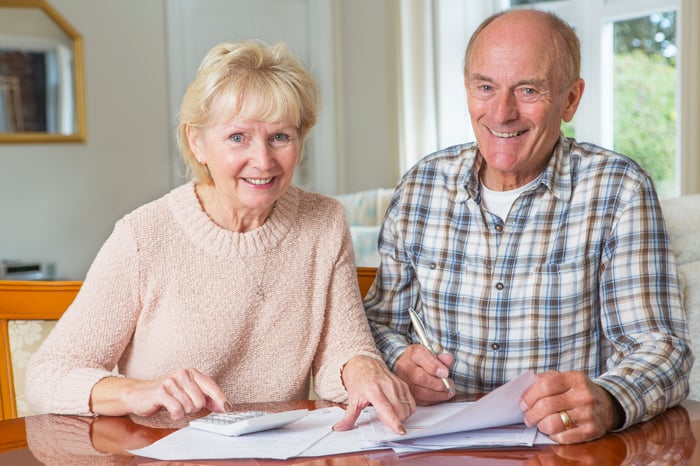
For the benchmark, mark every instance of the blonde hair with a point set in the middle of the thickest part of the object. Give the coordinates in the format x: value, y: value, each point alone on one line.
x: 250, y: 80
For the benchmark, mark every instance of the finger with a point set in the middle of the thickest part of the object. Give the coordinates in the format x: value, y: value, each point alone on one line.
x: 427, y: 396
x: 428, y: 362
x: 352, y: 412
x: 387, y: 413
x: 424, y: 384
x: 216, y: 400
x: 190, y: 394
x: 170, y: 403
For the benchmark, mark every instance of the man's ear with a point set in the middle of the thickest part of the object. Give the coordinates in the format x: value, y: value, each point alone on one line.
x: 573, y: 98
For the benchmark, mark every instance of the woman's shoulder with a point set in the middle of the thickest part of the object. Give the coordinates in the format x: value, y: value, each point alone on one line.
x: 319, y: 205
x: 158, y: 210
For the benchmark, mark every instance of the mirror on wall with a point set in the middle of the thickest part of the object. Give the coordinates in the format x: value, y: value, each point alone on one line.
x: 41, y: 75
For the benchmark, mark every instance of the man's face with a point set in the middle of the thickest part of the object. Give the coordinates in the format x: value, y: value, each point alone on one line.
x: 516, y: 101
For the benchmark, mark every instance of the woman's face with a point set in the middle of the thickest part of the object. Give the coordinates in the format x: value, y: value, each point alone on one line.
x: 251, y: 162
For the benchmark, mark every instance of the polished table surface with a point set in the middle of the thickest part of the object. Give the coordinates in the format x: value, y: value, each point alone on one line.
x: 669, y: 439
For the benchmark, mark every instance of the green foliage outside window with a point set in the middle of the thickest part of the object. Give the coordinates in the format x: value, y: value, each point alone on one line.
x: 645, y: 115
x: 645, y: 83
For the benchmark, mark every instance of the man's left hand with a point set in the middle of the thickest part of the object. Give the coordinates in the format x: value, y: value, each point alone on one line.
x: 569, y: 407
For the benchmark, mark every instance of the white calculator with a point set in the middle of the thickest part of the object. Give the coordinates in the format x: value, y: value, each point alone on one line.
x: 246, y: 422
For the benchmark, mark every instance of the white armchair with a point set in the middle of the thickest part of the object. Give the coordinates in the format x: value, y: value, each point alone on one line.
x: 365, y: 211
x: 682, y: 216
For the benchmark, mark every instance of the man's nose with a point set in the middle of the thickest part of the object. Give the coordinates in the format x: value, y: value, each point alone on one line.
x: 505, y: 107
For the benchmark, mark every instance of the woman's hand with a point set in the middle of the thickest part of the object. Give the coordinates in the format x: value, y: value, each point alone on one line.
x: 369, y: 381
x: 185, y: 391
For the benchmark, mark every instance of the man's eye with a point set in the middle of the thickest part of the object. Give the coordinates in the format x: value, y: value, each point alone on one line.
x: 485, y: 87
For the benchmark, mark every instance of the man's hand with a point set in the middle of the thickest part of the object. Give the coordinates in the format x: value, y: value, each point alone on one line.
x: 369, y: 381
x: 183, y: 392
x: 423, y: 373
x: 559, y: 397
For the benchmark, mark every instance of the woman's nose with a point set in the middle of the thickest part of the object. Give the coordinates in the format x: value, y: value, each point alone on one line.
x: 263, y: 155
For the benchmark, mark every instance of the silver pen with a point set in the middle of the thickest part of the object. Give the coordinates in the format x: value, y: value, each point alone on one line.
x: 423, y: 337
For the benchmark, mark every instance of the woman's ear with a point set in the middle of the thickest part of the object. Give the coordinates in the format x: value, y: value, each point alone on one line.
x: 194, y: 139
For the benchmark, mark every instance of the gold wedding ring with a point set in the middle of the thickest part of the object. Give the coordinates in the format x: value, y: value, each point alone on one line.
x: 405, y: 402
x: 566, y: 419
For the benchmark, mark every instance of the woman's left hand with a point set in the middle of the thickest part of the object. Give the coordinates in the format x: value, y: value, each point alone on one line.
x: 368, y: 381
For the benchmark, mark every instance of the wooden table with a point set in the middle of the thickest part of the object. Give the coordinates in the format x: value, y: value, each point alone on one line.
x: 669, y: 439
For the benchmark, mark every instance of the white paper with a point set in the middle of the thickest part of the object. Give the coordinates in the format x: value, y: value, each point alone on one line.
x: 287, y: 442
x: 498, y: 408
x: 335, y: 443
x: 517, y: 435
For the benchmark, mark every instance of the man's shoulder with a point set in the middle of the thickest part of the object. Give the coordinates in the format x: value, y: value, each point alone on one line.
x: 594, y: 156
x: 450, y: 162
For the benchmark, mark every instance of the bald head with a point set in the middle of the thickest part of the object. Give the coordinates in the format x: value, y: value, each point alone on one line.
x: 530, y: 28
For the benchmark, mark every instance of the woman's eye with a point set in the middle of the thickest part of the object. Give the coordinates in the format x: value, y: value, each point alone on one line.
x: 280, y: 137
x: 237, y: 138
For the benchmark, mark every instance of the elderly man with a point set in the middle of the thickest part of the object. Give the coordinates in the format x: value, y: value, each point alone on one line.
x: 529, y: 250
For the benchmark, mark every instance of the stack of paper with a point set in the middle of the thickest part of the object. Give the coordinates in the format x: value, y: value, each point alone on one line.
x: 494, y: 420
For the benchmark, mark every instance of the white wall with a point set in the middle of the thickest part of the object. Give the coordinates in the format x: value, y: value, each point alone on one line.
x: 58, y: 202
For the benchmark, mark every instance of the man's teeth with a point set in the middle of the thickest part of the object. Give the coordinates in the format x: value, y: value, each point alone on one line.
x: 506, y: 135
x: 258, y: 180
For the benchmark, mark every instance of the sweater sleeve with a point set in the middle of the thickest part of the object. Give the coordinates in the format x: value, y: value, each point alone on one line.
x: 346, y: 332
x: 90, y: 337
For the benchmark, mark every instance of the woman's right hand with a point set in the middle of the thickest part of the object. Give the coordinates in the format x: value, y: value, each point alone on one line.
x: 182, y: 392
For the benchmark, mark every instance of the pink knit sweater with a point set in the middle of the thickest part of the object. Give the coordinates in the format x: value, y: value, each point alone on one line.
x: 171, y: 289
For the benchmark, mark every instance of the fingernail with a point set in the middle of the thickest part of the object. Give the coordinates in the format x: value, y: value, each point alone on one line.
x: 523, y: 406
x: 228, y: 406
x: 402, y: 430
x: 442, y: 372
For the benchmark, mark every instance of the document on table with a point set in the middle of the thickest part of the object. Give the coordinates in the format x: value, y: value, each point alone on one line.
x: 488, y: 421
x: 499, y: 408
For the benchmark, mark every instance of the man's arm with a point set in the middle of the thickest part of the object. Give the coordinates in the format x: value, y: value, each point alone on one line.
x: 642, y: 313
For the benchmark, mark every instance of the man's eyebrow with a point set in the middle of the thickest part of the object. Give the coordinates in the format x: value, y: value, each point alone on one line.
x: 534, y: 82
x: 479, y: 77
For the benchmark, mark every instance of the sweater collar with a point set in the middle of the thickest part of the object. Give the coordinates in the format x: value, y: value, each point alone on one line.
x: 196, y: 224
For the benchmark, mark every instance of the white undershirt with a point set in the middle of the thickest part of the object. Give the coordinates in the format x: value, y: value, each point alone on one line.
x: 500, y: 202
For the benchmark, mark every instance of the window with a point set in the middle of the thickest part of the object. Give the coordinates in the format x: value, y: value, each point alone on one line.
x: 644, y: 83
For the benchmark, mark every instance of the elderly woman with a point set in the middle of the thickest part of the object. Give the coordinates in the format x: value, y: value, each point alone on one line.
x: 233, y: 287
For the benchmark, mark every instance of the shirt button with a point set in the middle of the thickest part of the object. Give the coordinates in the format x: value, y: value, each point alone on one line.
x: 433, y: 266
x: 495, y: 346
x: 499, y: 286
x: 499, y: 228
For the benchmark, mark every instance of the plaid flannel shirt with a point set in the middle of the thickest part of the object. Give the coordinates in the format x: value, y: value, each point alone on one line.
x: 579, y: 276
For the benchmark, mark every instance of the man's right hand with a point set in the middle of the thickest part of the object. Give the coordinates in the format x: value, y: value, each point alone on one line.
x: 423, y: 372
